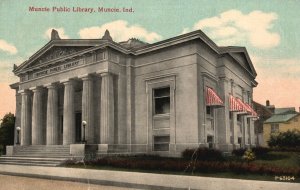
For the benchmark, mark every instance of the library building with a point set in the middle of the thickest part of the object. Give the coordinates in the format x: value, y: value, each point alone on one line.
x: 132, y: 97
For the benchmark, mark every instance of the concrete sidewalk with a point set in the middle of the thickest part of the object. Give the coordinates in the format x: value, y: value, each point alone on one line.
x: 142, y: 180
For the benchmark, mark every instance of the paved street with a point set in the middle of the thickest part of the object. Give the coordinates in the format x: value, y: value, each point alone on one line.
x: 26, y: 183
x: 137, y: 180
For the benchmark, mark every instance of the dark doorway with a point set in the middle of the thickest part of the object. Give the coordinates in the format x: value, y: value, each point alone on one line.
x: 78, y: 126
x: 210, y: 141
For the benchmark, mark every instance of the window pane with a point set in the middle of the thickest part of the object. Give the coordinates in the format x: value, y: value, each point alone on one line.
x: 161, y: 139
x: 161, y: 92
x: 162, y: 105
x: 161, y: 143
x: 161, y: 147
x: 208, y: 110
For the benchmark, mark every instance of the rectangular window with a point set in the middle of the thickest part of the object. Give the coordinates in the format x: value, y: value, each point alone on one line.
x: 274, y: 128
x: 161, y: 143
x: 239, y: 118
x: 161, y: 100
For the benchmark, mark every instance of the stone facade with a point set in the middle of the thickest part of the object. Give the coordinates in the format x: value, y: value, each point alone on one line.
x: 135, y: 97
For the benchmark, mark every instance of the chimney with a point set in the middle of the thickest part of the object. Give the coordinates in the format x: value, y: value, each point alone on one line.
x: 267, y: 103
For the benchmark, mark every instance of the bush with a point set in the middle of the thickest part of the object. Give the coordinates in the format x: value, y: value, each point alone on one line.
x: 285, y: 139
x: 249, y: 155
x: 239, y: 152
x: 204, y: 154
x: 182, y: 165
x: 260, y: 151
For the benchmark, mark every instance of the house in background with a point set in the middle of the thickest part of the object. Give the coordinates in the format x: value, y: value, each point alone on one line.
x: 264, y: 112
x: 282, y: 120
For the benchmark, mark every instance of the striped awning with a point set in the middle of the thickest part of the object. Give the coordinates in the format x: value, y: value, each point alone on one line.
x: 245, y: 109
x: 235, y: 106
x: 212, y: 99
x: 252, y: 112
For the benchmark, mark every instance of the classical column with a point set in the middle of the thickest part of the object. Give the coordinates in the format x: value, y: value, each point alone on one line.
x: 52, y: 115
x: 223, y: 122
x: 245, y: 133
x: 107, y: 110
x: 25, y: 118
x: 87, y: 109
x: 235, y: 129
x: 38, y: 137
x: 68, y: 116
x: 252, y: 134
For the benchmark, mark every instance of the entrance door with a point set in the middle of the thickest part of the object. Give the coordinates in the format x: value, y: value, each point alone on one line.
x: 78, y: 127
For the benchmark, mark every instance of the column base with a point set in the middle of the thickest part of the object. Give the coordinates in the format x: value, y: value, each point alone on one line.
x: 9, y: 150
x: 225, y: 147
x: 77, y: 150
x: 236, y: 146
x: 103, y: 148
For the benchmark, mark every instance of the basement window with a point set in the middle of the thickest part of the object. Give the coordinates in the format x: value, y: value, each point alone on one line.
x: 161, y: 100
x: 161, y: 143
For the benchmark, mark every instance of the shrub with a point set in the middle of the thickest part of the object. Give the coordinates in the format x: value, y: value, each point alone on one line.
x: 204, y: 154
x: 239, y: 152
x: 182, y: 165
x: 285, y: 139
x: 260, y: 151
x: 249, y: 155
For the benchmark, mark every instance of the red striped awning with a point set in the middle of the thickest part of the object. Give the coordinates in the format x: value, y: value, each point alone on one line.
x: 253, y: 113
x: 234, y: 104
x: 212, y: 99
x: 245, y: 109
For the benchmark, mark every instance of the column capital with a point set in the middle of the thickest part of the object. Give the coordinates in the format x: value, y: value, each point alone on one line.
x: 24, y: 91
x: 67, y: 81
x: 99, y: 72
x: 105, y: 74
x: 85, y: 77
x: 36, y: 88
x: 50, y: 85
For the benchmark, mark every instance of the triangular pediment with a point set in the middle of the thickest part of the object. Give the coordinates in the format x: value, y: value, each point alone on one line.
x: 55, y: 53
x: 241, y: 55
x: 242, y: 60
x: 57, y: 49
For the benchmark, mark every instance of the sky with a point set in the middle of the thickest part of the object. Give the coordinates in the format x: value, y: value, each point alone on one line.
x: 269, y: 30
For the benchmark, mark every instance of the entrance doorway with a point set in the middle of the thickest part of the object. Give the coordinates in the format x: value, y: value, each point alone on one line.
x: 78, y: 127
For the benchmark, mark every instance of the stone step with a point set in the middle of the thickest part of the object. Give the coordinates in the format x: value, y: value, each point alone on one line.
x: 46, y: 149
x: 31, y: 164
x: 30, y: 158
x: 32, y: 161
x: 44, y: 156
x: 36, y: 151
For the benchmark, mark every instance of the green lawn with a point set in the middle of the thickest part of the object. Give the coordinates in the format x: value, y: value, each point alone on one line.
x: 278, y: 159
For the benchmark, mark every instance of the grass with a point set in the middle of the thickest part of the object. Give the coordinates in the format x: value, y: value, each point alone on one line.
x: 230, y: 175
x: 278, y: 159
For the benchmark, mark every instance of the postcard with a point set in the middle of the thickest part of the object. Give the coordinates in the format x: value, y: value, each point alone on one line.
x: 187, y: 94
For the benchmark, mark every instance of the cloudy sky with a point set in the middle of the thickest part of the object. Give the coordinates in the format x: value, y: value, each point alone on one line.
x: 268, y: 29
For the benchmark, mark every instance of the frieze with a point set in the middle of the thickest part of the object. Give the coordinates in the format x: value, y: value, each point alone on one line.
x: 58, y: 52
x: 58, y: 68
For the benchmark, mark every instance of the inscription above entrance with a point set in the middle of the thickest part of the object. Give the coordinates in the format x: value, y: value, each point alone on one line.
x: 54, y: 69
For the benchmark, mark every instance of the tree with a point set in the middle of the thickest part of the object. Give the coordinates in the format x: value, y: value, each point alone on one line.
x: 7, y: 131
x: 288, y: 139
